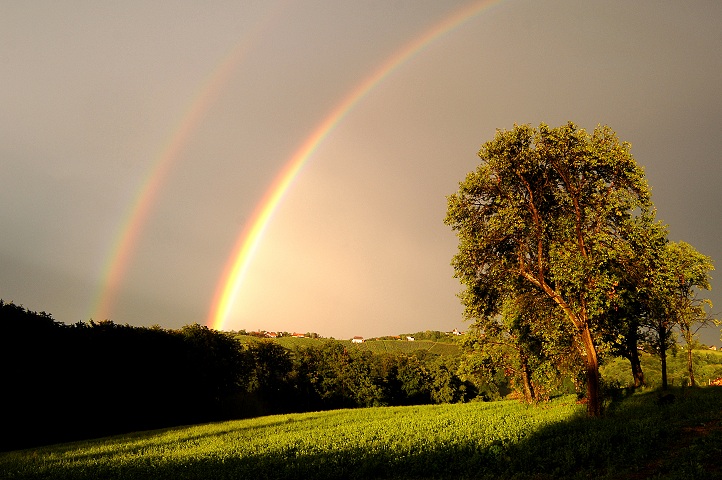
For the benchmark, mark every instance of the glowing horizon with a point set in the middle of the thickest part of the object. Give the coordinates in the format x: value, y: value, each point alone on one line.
x: 247, y: 242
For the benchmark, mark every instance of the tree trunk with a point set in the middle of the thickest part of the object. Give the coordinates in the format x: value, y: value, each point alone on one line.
x: 631, y: 353
x: 594, y: 408
x: 637, y: 373
x: 526, y: 378
x: 689, y: 340
x: 663, y: 357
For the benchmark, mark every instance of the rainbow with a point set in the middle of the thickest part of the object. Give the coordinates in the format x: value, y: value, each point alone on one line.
x: 137, y: 214
x: 249, y: 239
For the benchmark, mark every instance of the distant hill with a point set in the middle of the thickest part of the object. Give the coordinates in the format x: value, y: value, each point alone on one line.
x: 403, y: 346
x: 445, y: 348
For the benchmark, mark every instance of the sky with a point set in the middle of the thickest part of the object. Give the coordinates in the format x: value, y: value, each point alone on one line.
x: 284, y: 166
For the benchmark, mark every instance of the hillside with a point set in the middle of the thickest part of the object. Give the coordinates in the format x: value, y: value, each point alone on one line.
x: 637, y: 438
x: 445, y: 348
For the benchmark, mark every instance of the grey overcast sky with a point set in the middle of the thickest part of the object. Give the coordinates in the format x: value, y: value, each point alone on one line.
x: 94, y: 96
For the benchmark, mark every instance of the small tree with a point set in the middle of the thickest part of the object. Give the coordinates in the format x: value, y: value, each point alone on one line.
x: 687, y: 273
x: 550, y: 209
x: 632, y: 318
x: 526, y: 344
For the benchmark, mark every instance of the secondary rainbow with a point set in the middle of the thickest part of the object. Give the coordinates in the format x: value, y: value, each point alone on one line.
x: 137, y: 214
x: 249, y: 239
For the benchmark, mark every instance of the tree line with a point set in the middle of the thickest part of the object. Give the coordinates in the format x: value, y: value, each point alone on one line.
x: 563, y: 261
x: 66, y: 382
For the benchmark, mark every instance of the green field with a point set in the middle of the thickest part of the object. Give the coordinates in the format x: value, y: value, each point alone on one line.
x: 476, y: 440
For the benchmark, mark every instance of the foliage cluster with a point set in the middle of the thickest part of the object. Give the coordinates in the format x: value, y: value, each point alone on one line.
x: 62, y: 382
x: 477, y: 440
x: 66, y: 382
x: 707, y: 365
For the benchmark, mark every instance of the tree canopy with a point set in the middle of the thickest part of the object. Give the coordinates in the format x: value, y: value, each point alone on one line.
x: 672, y: 289
x: 550, y: 212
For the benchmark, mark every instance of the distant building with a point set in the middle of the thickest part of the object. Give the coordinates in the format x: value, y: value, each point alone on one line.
x: 357, y: 340
x: 271, y: 335
x: 410, y: 339
x: 713, y: 347
x: 456, y: 332
x: 299, y: 335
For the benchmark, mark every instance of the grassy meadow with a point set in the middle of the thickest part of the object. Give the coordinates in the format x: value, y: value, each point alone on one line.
x: 638, y: 436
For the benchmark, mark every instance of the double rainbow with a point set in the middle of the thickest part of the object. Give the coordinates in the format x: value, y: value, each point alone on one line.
x: 139, y: 209
x: 251, y: 236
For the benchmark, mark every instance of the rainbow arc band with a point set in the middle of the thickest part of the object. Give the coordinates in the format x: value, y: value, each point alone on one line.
x: 251, y: 236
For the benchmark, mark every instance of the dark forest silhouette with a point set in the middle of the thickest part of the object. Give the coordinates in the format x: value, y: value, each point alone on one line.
x: 67, y: 382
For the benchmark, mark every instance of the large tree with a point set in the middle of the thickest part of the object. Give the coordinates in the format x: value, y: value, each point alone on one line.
x: 550, y: 209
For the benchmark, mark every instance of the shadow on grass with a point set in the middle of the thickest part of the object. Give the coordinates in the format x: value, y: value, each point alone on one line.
x: 631, y: 441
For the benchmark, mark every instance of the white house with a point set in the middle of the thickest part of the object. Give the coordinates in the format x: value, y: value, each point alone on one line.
x: 357, y: 340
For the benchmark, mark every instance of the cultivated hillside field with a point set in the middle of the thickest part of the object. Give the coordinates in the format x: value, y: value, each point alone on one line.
x: 376, y: 346
x: 400, y: 346
x: 639, y: 437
